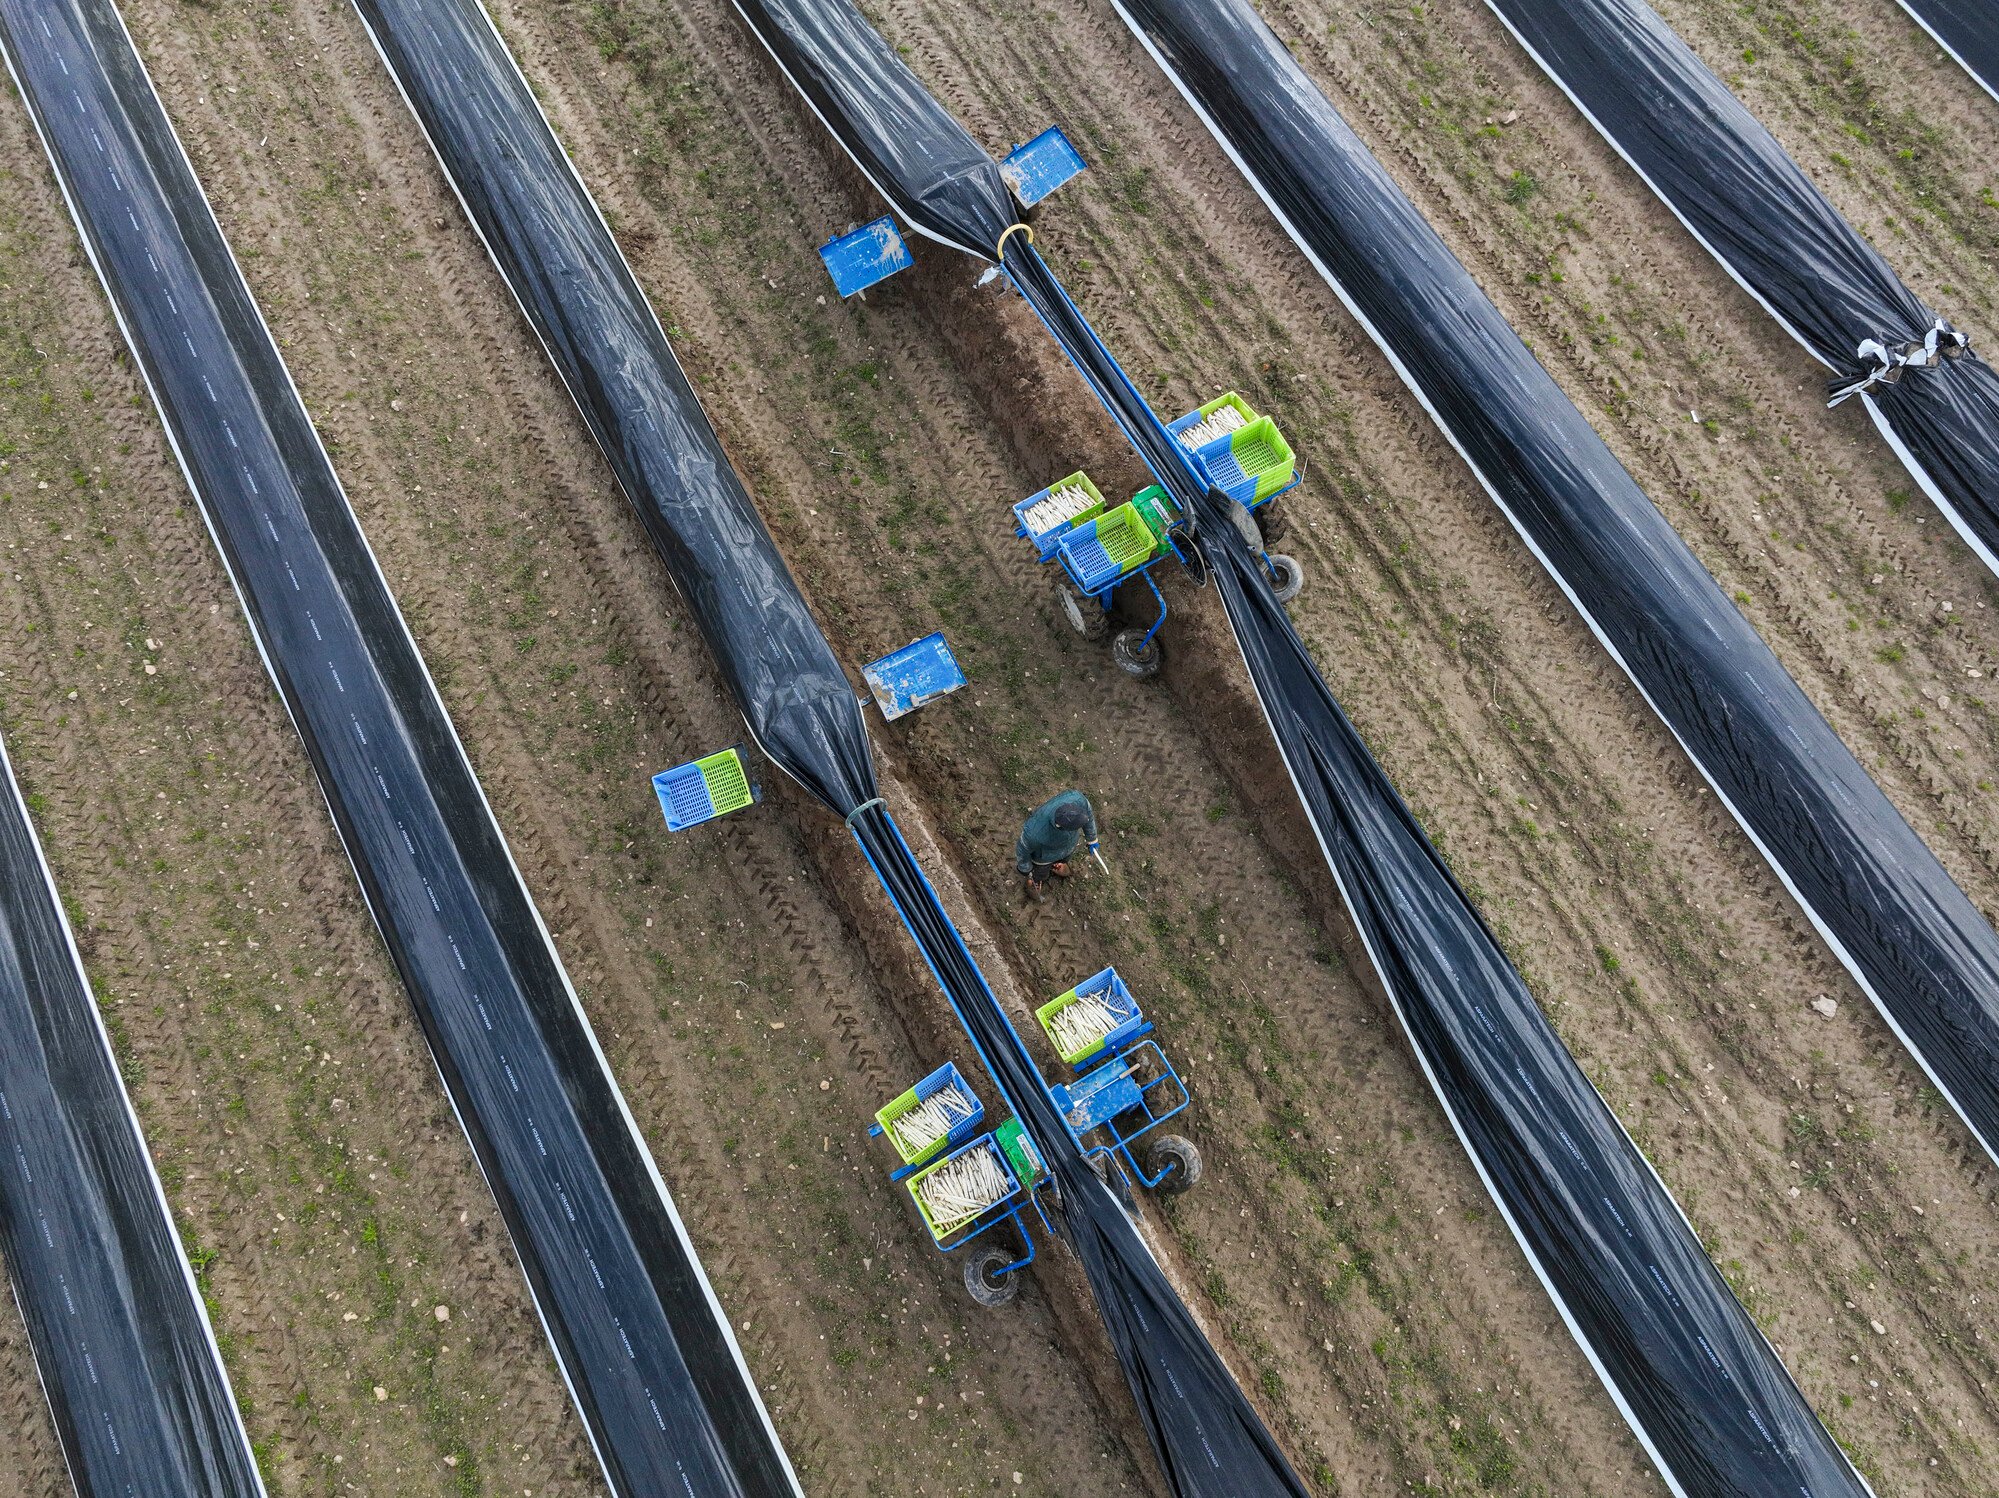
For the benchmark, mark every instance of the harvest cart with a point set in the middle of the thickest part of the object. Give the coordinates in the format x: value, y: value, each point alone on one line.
x: 1101, y: 548
x: 970, y: 1185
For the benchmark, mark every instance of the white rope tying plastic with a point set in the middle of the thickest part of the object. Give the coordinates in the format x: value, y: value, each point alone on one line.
x: 931, y: 1119
x: 1082, y: 1024
x: 1065, y: 503
x: 1225, y: 419
x: 958, y: 1192
x: 1941, y: 342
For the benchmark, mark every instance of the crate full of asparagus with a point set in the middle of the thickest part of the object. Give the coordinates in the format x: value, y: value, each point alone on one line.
x: 1095, y: 1017
x: 960, y: 1189
x: 938, y: 1113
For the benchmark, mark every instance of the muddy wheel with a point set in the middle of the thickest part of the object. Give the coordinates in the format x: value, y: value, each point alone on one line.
x: 983, y: 1283
x: 1179, y: 1153
x: 1272, y: 523
x: 1084, y: 617
x: 1135, y: 655
x: 1288, y: 578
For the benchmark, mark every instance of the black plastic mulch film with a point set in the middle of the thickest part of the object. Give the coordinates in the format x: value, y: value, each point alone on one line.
x: 1883, y: 902
x: 1697, y: 1381
x: 1968, y: 30
x: 637, y: 1333
x: 1925, y: 956
x: 134, y: 1380
x: 552, y: 247
x: 1207, y: 1436
x: 1755, y: 211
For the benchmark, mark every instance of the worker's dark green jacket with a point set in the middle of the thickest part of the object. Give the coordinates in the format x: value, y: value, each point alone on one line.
x: 1042, y: 842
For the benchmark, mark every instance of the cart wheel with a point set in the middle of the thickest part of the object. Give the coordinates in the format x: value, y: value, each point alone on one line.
x: 1272, y: 522
x: 1135, y: 655
x: 1288, y: 577
x: 980, y: 1281
x: 1084, y: 617
x: 1178, y: 1152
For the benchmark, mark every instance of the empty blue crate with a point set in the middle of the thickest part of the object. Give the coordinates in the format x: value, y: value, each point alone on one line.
x: 1098, y: 552
x: 920, y: 672
x: 862, y: 257
x: 1036, y: 169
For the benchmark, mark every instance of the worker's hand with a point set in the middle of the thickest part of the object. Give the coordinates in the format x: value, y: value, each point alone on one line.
x: 1093, y: 845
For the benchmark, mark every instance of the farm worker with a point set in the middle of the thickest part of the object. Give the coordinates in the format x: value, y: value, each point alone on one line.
x: 1048, y: 840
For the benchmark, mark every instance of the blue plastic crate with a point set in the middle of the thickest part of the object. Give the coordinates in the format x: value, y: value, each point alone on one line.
x: 1099, y: 551
x: 1108, y: 986
x: 946, y: 1075
x: 1225, y: 473
x: 905, y: 679
x: 683, y: 796
x: 862, y: 257
x: 1088, y: 563
x: 1036, y: 169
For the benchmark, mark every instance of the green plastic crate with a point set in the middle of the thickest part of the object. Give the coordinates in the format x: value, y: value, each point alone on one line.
x: 704, y: 789
x: 1126, y: 537
x: 1262, y: 452
x: 728, y: 786
x: 1020, y: 1152
x: 1155, y: 509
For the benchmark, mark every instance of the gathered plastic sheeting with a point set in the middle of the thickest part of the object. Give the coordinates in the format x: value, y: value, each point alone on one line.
x: 559, y: 258
x: 942, y: 182
x: 134, y: 1379
x: 1729, y: 181
x: 1884, y: 904
x: 1701, y: 1388
x: 552, y: 247
x: 1697, y: 1381
x: 1207, y: 1436
x: 1968, y: 30
x: 636, y: 1330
